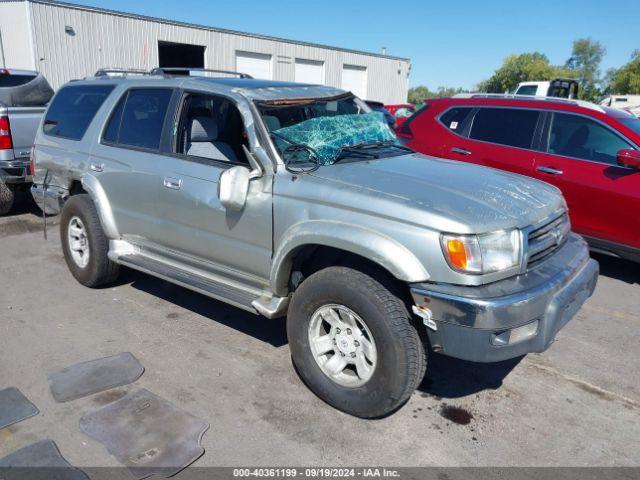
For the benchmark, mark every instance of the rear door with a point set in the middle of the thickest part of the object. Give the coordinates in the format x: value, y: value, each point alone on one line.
x: 129, y: 164
x: 498, y: 137
x: 579, y: 157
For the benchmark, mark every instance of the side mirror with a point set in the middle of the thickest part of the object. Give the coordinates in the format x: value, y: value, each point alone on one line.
x: 234, y: 187
x: 628, y: 158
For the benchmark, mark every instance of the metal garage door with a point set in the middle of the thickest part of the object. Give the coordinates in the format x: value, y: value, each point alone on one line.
x: 258, y: 65
x: 309, y: 71
x: 354, y: 79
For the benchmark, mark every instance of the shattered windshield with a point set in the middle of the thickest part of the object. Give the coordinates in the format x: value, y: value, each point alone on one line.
x: 334, y: 129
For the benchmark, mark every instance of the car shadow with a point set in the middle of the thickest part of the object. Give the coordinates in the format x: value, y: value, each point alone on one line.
x: 449, y: 377
x: 271, y: 331
x: 23, y: 204
x: 618, y: 269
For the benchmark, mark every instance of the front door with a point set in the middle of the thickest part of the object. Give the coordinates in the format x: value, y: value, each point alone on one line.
x: 209, y: 139
x: 579, y: 157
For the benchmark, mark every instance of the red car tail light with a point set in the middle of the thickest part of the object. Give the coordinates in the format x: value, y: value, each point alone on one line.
x: 5, y: 134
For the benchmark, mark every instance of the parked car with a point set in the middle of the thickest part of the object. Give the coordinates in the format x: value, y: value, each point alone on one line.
x: 558, y: 87
x: 23, y: 96
x: 379, y: 107
x: 401, y: 112
x: 283, y: 198
x: 590, y: 152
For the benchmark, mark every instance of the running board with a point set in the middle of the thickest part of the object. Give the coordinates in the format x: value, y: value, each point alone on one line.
x: 207, y: 286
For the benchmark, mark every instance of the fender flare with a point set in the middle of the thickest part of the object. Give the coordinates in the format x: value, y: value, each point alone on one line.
x: 93, y: 187
x: 375, y: 246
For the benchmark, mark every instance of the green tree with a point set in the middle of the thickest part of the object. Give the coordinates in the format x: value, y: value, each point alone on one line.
x: 417, y: 95
x: 521, y: 68
x: 626, y: 79
x: 584, y: 64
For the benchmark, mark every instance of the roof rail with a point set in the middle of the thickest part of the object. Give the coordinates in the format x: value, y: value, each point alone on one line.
x: 187, y: 71
x: 511, y: 96
x: 107, y: 72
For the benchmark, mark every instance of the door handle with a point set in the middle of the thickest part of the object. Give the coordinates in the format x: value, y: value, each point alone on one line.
x: 461, y: 151
x: 97, y: 167
x: 173, y: 183
x: 549, y: 170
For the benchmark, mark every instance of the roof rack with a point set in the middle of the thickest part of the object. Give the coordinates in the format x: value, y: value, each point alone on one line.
x: 110, y: 72
x: 511, y: 96
x: 187, y: 71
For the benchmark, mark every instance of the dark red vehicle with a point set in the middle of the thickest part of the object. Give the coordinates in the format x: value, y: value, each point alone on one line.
x: 591, y: 153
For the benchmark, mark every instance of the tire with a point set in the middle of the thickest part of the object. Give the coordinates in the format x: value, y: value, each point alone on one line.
x: 7, y: 196
x: 93, y: 269
x: 400, y: 354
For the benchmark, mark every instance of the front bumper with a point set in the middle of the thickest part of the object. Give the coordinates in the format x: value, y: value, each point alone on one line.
x: 15, y: 171
x: 472, y: 323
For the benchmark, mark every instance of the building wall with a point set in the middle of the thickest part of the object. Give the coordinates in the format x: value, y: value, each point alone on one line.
x: 110, y: 39
x: 16, y: 40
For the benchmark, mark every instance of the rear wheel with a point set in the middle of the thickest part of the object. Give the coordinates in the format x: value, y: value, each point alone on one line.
x: 7, y: 196
x: 353, y: 342
x: 84, y: 243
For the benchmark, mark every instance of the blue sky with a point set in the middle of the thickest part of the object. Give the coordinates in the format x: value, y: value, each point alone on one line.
x: 450, y: 43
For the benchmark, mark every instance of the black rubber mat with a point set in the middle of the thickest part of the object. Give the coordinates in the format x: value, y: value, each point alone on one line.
x: 39, y: 461
x: 147, y: 434
x: 91, y: 377
x: 15, y: 407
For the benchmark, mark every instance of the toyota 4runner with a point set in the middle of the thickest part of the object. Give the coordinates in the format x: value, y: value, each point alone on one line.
x: 297, y: 200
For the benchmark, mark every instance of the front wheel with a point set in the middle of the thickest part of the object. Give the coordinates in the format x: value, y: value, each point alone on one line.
x: 353, y: 342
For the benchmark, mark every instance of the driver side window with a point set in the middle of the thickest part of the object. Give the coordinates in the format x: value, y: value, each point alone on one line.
x: 579, y: 137
x: 211, y: 128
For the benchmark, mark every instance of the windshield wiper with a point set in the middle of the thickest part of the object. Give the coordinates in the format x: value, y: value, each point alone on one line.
x: 385, y: 143
x: 353, y: 149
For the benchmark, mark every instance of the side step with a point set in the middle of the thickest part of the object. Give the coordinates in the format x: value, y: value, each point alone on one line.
x: 238, y: 297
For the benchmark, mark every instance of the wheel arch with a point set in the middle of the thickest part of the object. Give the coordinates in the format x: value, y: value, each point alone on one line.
x: 353, y: 241
x: 91, y: 185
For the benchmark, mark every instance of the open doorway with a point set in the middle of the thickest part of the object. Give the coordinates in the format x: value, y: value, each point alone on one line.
x: 180, y: 55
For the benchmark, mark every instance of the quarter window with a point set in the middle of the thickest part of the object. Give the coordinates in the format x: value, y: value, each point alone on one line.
x: 456, y: 118
x: 580, y: 137
x: 73, y: 109
x: 138, y: 118
x: 506, y: 126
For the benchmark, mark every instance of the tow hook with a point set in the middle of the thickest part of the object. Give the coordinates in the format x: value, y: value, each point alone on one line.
x: 426, y: 315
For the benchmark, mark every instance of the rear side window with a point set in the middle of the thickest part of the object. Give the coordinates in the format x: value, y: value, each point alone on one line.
x: 8, y: 80
x: 73, y: 109
x: 138, y: 118
x: 505, y: 126
x: 455, y: 119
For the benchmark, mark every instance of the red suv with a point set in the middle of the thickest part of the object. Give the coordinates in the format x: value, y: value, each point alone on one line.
x: 591, y: 153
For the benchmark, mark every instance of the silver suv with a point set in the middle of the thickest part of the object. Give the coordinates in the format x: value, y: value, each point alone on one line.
x: 297, y: 200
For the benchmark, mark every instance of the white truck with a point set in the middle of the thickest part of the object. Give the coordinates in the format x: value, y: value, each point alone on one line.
x: 23, y: 98
x: 629, y: 103
x: 557, y: 87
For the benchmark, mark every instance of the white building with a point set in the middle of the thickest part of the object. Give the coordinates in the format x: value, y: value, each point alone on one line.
x: 66, y: 41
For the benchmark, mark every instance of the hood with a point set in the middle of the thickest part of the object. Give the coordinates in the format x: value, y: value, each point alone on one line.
x: 443, y: 194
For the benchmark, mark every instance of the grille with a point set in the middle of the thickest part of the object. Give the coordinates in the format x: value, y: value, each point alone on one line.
x: 546, y: 239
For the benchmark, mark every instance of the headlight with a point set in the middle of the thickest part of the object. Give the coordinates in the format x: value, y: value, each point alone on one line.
x: 486, y: 253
